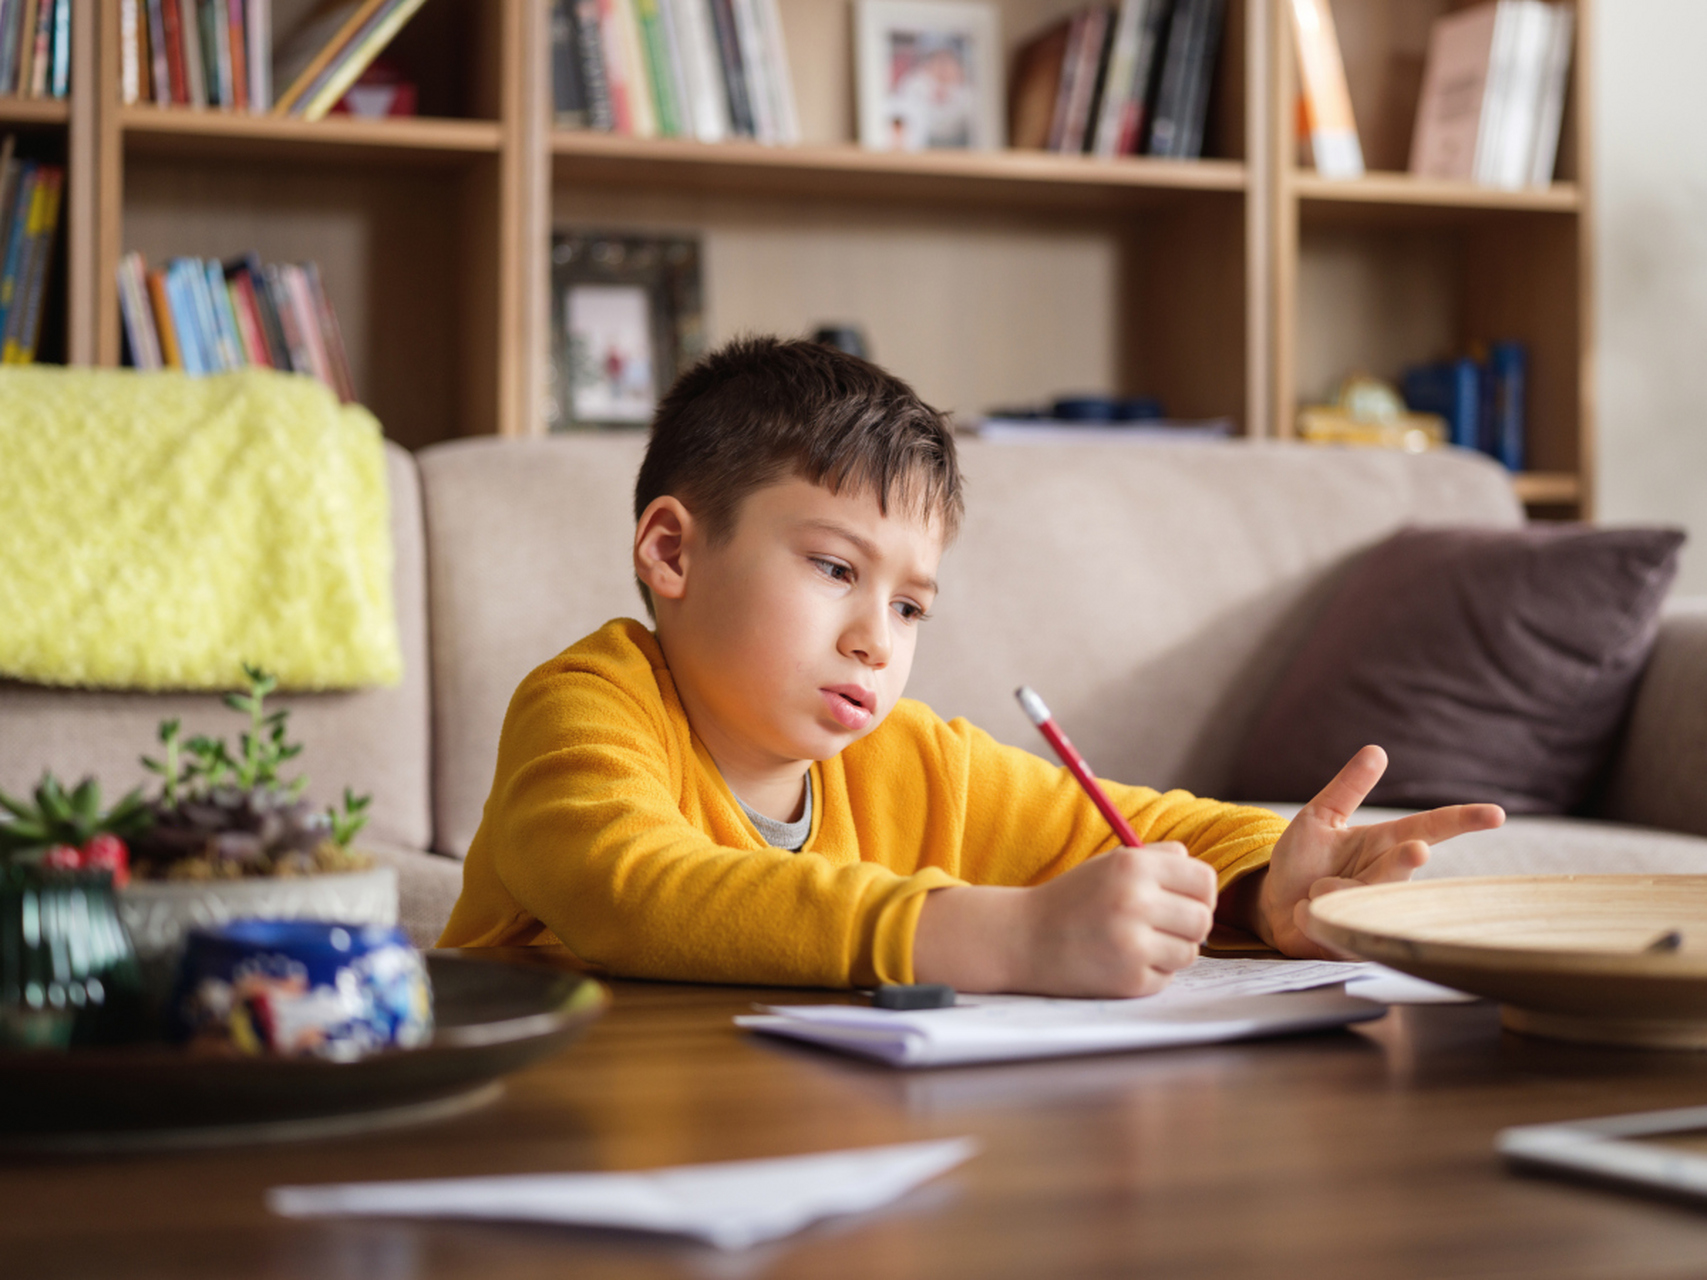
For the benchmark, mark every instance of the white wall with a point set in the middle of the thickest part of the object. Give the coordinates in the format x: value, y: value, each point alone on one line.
x: 1651, y: 183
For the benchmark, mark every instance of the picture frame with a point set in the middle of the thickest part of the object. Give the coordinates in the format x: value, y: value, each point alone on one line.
x: 626, y: 318
x: 930, y: 75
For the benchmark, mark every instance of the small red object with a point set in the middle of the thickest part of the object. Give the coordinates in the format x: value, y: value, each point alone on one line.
x: 1039, y: 715
x: 63, y: 857
x: 106, y: 852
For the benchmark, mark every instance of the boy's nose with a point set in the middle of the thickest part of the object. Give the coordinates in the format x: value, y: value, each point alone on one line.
x: 868, y: 640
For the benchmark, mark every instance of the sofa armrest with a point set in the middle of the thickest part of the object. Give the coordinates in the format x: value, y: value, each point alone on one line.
x: 1659, y: 778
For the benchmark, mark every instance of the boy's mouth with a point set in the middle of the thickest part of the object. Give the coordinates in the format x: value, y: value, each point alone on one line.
x: 851, y: 705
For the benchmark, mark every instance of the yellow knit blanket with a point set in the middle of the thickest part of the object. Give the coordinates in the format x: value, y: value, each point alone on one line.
x: 158, y: 531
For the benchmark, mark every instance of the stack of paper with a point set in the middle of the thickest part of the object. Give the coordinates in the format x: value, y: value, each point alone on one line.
x: 1212, y: 1001
x: 733, y: 1205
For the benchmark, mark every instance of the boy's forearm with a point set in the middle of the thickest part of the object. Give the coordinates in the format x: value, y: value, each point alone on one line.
x: 971, y: 937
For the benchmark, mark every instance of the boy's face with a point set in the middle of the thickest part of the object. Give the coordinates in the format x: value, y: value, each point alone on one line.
x: 794, y: 637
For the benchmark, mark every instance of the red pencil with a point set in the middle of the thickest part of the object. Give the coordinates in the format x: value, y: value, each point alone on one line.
x: 1076, y: 765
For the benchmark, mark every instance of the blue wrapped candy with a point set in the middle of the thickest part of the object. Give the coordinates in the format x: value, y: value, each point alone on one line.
x: 302, y: 988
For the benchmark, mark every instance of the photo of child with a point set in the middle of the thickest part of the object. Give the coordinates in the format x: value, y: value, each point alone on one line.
x: 930, y: 75
x: 932, y: 90
x: 610, y: 343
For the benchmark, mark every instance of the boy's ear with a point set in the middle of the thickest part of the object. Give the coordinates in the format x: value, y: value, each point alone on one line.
x: 660, y: 548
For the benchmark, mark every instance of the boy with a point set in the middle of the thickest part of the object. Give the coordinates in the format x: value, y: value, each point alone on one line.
x: 744, y: 796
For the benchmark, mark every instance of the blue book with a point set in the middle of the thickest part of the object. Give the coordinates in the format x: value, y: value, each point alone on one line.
x: 180, y: 274
x: 1506, y: 399
x: 60, y: 86
x: 12, y: 262
x: 1452, y: 389
x: 207, y: 322
x: 230, y: 340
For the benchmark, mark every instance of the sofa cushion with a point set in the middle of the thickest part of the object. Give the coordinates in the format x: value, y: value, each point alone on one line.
x: 1152, y: 592
x: 529, y: 547
x: 1546, y: 845
x: 372, y: 740
x: 1493, y: 665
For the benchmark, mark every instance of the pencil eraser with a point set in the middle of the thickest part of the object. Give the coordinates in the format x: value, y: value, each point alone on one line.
x: 919, y: 995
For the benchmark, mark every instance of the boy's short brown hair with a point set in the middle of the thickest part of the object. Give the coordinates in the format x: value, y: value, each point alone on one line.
x: 760, y: 410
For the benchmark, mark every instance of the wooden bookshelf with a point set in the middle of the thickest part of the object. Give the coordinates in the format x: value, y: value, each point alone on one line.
x: 1238, y: 285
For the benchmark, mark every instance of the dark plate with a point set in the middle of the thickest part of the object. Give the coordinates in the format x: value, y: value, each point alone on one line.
x: 490, y: 1018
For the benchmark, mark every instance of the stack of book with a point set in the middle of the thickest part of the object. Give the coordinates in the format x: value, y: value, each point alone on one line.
x: 1483, y: 401
x: 705, y: 69
x: 203, y: 316
x: 219, y: 53
x: 196, y: 53
x: 35, y: 48
x: 1111, y: 82
x: 30, y: 198
x: 1493, y: 97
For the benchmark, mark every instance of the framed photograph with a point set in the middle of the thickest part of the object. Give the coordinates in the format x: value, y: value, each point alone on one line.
x: 930, y: 75
x: 626, y: 318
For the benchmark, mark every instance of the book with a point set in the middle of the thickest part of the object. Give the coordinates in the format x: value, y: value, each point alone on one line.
x: 159, y: 64
x: 134, y: 308
x: 760, y: 99
x: 182, y: 321
x: 779, y: 78
x: 1550, y: 116
x: 1453, y: 390
x: 60, y: 77
x: 568, y: 93
x: 258, y: 28
x: 236, y: 44
x: 23, y: 324
x: 171, y: 354
x: 178, y: 81
x: 227, y: 336
x: 195, y: 69
x: 1182, y: 93
x: 10, y: 168
x: 589, y: 56
x: 1505, y: 396
x: 26, y: 49
x: 1531, y: 42
x: 331, y: 336
x: 216, y: 53
x: 1327, y: 102
x: 702, y: 68
x: 12, y: 259
x: 301, y: 59
x: 130, y: 54
x: 358, y: 56
x: 1038, y: 69
x: 249, y: 276
x: 1104, y: 137
x: 655, y: 59
x: 1084, y: 78
x: 669, y: 30
x: 734, y: 70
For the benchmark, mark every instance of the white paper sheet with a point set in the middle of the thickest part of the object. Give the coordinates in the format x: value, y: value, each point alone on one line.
x: 1214, y: 1000
x: 733, y: 1205
x: 1389, y: 986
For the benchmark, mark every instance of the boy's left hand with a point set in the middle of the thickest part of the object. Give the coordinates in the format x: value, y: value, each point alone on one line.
x: 1321, y: 852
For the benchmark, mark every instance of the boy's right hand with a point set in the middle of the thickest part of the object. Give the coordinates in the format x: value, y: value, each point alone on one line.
x: 1120, y: 924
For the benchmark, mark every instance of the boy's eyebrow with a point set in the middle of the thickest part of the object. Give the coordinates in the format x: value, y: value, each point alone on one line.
x: 865, y: 546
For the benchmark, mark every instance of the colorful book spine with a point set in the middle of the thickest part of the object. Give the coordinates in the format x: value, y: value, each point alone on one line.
x: 236, y: 41
x: 589, y: 55
x: 359, y: 56
x: 734, y: 72
x: 17, y: 237
x: 61, y: 78
x: 258, y: 27
x: 195, y: 71
x: 657, y: 68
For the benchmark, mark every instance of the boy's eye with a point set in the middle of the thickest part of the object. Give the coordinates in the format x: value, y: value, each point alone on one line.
x: 835, y: 570
x: 910, y: 612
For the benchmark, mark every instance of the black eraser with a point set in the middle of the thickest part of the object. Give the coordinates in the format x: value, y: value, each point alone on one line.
x: 919, y: 995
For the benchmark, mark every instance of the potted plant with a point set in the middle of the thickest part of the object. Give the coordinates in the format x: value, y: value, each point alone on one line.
x: 227, y: 837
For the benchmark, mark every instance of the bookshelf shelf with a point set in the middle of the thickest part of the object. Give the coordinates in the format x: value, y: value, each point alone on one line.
x: 846, y: 169
x: 1548, y: 488
x: 157, y: 131
x: 34, y: 111
x: 1403, y: 189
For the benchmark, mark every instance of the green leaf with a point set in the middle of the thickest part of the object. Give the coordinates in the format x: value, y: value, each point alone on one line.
x: 86, y: 800
x: 16, y: 807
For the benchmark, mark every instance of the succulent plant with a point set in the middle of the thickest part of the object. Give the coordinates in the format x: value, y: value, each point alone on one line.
x: 69, y: 830
x: 225, y: 815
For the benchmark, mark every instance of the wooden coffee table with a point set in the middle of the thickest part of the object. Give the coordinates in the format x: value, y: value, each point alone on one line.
x: 1361, y: 1153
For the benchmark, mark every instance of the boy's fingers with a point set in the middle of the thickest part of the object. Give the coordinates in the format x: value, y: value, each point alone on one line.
x: 1168, y: 954
x: 1442, y: 824
x: 1187, y: 876
x: 1186, y: 918
x: 1339, y: 799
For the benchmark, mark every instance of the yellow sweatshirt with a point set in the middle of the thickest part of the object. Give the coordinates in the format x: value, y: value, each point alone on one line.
x: 609, y: 829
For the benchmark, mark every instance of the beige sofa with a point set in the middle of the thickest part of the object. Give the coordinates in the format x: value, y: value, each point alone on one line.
x: 1151, y: 592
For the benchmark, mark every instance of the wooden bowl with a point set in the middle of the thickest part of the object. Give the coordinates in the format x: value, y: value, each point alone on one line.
x: 1585, y: 958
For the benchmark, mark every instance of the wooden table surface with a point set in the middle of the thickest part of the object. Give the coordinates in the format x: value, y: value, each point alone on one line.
x: 1358, y: 1153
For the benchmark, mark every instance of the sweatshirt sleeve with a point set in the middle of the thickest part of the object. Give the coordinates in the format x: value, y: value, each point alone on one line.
x: 1028, y: 821
x: 588, y: 834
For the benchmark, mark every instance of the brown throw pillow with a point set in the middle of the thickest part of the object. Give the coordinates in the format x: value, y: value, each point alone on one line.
x: 1493, y: 665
